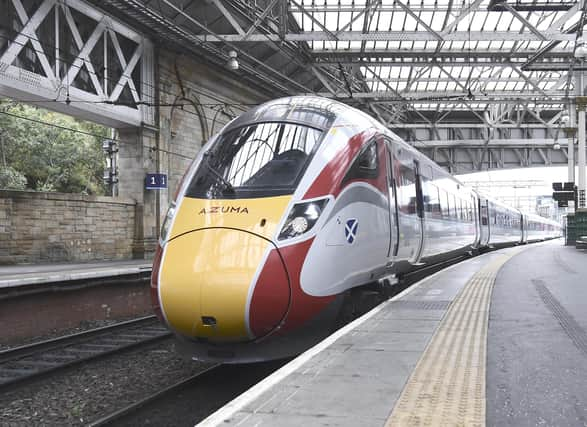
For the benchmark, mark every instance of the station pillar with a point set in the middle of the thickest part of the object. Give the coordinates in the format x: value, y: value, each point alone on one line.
x: 571, y: 131
x: 581, y: 104
x: 135, y: 160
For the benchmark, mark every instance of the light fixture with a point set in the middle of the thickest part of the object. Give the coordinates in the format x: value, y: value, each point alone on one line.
x: 556, y: 146
x: 302, y: 217
x: 232, y: 62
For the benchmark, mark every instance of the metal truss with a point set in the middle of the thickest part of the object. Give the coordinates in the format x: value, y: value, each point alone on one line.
x: 74, y: 58
x: 475, y: 156
x: 420, y: 67
x: 391, y: 57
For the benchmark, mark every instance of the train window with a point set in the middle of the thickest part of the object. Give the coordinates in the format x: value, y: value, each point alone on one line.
x: 263, y: 159
x: 454, y: 204
x: 448, y: 208
x: 432, y: 199
x: 366, y: 165
x: 406, y: 186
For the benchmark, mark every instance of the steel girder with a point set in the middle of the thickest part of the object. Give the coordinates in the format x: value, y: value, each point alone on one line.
x: 73, y: 58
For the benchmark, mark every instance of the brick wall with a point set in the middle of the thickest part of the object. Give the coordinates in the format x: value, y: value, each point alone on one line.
x: 54, y: 227
x: 38, y: 314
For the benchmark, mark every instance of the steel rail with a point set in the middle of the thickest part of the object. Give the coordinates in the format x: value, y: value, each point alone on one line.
x: 31, y: 361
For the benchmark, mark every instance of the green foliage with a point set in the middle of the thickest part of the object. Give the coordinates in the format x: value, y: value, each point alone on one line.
x: 11, y: 179
x: 50, y: 158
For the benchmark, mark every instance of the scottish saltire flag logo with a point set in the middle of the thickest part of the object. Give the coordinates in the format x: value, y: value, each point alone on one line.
x: 350, y: 230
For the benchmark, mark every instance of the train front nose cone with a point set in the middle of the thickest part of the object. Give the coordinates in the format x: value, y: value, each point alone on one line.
x: 205, y: 280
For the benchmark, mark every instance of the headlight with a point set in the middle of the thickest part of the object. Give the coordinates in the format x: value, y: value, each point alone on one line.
x: 166, y: 227
x: 302, y: 218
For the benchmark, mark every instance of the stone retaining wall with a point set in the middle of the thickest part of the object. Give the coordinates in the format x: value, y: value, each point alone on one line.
x: 55, y: 227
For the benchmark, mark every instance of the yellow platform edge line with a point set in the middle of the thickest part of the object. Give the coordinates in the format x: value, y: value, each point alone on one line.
x: 447, y: 386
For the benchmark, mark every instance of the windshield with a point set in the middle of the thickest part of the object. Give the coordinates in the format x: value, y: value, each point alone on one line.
x: 263, y: 159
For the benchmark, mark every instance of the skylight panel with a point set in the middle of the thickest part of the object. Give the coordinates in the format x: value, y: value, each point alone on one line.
x: 410, y: 23
x: 503, y: 22
x: 380, y: 22
x: 515, y: 24
x: 404, y: 72
x: 427, y: 18
x: 490, y: 86
x: 572, y: 21
x: 508, y: 45
x: 442, y: 86
x: 491, y: 22
x: 450, y: 86
x: 437, y: 19
x: 337, y: 23
x: 458, y: 46
x: 394, y: 72
x: 476, y: 20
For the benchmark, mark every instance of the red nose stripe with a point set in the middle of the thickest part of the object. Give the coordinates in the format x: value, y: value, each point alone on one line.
x: 303, y: 306
x: 270, y: 298
x: 328, y: 181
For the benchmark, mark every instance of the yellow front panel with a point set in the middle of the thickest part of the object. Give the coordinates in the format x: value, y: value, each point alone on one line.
x: 208, y: 272
x: 243, y: 214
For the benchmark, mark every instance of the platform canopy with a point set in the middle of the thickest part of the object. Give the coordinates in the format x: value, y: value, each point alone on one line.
x: 429, y: 69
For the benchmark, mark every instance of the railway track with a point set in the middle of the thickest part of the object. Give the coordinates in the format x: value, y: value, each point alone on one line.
x: 121, y: 413
x: 192, y: 399
x: 28, y: 362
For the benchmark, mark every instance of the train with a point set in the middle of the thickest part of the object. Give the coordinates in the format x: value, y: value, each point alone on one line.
x: 295, y: 211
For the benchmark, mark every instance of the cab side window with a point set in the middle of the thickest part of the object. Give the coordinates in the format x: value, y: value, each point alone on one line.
x: 366, y: 165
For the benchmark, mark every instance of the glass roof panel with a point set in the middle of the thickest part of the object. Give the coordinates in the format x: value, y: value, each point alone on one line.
x: 470, y: 58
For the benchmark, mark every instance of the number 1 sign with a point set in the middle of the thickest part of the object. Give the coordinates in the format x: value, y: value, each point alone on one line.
x: 156, y: 181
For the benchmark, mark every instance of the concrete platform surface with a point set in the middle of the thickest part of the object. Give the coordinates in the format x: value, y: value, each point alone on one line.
x: 23, y: 275
x: 496, y: 340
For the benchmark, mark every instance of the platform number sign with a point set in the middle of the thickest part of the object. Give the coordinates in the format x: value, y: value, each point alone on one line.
x: 156, y: 181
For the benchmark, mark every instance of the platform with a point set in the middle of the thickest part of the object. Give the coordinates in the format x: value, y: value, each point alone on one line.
x: 26, y: 275
x: 497, y: 340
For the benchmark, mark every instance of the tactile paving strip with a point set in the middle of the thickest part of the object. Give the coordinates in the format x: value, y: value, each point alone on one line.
x: 447, y: 387
x: 573, y: 330
x: 421, y: 305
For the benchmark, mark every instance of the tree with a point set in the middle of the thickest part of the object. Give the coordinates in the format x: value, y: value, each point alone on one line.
x: 49, y: 156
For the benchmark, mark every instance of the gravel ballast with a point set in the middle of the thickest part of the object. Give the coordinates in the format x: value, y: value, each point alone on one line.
x: 85, y: 393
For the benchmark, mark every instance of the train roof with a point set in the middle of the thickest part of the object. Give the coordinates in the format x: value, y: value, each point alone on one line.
x: 313, y: 111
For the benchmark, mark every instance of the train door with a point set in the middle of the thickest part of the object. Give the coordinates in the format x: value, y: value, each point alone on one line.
x: 392, y: 197
x: 475, y: 205
x: 410, y: 209
x: 419, y: 210
x: 485, y: 227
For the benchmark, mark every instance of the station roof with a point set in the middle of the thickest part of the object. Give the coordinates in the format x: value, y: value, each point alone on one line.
x: 396, y: 59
